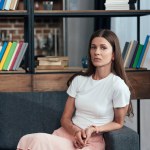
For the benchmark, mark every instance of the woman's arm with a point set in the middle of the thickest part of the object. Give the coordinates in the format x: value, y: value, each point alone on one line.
x: 66, y: 120
x: 67, y: 124
x: 117, y: 123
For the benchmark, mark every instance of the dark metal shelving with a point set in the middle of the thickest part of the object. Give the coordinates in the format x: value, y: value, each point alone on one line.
x: 92, y: 13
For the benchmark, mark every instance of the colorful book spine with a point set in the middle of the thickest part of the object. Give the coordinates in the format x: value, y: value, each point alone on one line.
x: 20, y: 56
x: 12, y: 4
x: 134, y: 55
x: 1, y: 4
x: 145, y: 54
x: 5, y: 55
x: 146, y: 63
x: 7, y: 4
x: 128, y: 53
x: 15, y: 4
x: 13, y: 56
x: 16, y: 55
x: 133, y: 48
x: 5, y: 66
x: 3, y: 50
x: 137, y: 55
x: 126, y: 46
x: 143, y: 51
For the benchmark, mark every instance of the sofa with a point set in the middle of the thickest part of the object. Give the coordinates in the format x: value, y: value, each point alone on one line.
x: 31, y: 112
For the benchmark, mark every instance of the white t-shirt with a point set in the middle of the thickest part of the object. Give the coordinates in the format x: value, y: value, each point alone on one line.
x: 96, y: 99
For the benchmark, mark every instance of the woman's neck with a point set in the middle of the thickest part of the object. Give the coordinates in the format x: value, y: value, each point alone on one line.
x: 101, y: 73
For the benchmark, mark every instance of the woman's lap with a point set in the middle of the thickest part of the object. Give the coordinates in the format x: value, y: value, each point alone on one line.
x: 59, y: 140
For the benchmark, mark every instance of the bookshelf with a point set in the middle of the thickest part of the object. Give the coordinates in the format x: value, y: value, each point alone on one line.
x: 35, y: 81
x: 25, y: 14
x: 30, y: 14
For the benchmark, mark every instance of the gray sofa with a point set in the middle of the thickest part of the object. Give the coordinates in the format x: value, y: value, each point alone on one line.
x: 23, y: 113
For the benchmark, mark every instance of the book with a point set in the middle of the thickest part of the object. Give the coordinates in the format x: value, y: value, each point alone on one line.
x: 133, y: 48
x: 124, y: 52
x: 5, y: 55
x: 3, y: 50
x: 13, y: 56
x: 50, y: 67
x: 145, y: 54
x: 4, y: 4
x: 53, y: 58
x: 143, y: 51
x: 146, y: 63
x: 134, y: 55
x: 47, y: 62
x: 7, y: 61
x: 16, y: 55
x: 1, y: 4
x: 137, y: 55
x: 20, y: 56
x: 128, y: 53
x: 7, y: 5
x: 14, y: 4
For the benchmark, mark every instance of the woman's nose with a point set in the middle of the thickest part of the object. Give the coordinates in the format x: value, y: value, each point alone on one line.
x: 97, y: 51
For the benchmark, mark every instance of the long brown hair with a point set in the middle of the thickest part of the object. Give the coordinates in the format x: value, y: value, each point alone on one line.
x: 117, y: 64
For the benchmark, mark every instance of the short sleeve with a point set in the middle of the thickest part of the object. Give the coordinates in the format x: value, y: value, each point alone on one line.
x: 73, y: 88
x: 121, y: 95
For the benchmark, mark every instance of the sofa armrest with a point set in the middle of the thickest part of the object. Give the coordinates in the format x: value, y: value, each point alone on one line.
x: 122, y: 139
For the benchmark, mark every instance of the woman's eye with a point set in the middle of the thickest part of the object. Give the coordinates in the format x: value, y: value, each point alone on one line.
x: 93, y: 47
x: 103, y: 48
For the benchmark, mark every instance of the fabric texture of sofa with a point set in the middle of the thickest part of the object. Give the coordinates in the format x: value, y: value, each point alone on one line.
x: 24, y: 113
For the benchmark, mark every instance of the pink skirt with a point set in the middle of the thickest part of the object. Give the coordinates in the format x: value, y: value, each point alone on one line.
x: 59, y: 140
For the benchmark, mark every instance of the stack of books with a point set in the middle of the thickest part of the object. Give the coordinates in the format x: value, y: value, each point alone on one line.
x: 11, y: 55
x: 120, y: 4
x: 52, y: 62
x: 136, y: 55
x: 8, y: 4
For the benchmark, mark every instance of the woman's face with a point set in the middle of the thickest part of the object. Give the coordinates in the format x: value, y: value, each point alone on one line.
x: 101, y: 52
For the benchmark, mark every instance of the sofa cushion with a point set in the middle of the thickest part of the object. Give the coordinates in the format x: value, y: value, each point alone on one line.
x: 23, y: 113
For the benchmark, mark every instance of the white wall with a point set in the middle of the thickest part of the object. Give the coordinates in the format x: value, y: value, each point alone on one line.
x: 126, y: 29
x: 78, y: 32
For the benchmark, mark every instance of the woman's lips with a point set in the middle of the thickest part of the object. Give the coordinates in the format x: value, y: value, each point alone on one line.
x: 97, y: 59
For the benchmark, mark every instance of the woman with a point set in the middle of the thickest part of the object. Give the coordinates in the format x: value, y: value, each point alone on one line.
x: 98, y: 101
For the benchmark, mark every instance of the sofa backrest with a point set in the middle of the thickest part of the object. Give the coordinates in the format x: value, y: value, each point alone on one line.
x: 24, y: 113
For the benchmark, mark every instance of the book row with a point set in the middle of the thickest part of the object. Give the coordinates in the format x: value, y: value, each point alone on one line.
x: 120, y: 4
x: 11, y: 55
x: 136, y: 55
x: 8, y: 4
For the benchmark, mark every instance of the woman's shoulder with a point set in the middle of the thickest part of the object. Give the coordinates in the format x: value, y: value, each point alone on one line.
x: 118, y: 82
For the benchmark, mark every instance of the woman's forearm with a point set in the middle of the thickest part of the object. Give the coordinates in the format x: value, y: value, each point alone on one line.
x: 109, y: 127
x: 68, y: 125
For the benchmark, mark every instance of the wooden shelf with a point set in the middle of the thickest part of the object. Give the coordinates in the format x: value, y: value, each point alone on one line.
x: 140, y: 81
x: 91, y: 13
x: 14, y: 13
x: 15, y: 83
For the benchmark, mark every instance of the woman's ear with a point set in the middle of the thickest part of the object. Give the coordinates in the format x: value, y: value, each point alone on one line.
x: 113, y: 57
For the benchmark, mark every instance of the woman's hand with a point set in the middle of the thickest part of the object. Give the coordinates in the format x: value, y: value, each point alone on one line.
x: 89, y: 131
x: 80, y: 137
